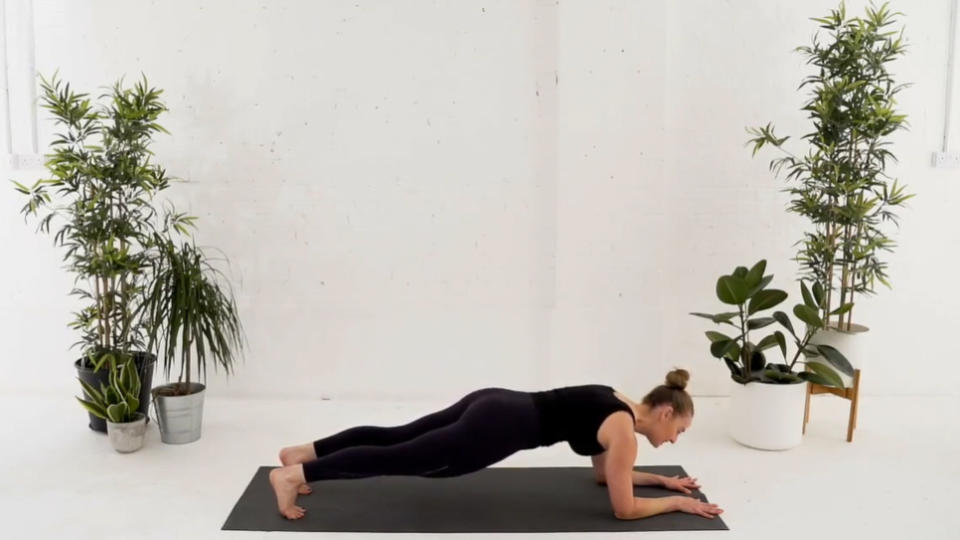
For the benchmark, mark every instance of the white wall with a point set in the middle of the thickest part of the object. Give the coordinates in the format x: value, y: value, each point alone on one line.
x: 420, y: 198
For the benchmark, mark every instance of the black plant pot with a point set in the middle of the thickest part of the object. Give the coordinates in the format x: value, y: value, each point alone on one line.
x: 145, y: 363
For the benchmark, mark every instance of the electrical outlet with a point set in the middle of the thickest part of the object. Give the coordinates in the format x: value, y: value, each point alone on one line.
x: 946, y: 160
x: 27, y: 161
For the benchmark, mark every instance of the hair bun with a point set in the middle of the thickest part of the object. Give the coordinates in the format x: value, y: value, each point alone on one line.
x: 678, y: 379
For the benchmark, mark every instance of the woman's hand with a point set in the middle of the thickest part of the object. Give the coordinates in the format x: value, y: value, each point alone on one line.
x: 698, y: 507
x: 685, y: 484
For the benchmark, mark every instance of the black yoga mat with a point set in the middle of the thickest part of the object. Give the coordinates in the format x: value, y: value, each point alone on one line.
x: 495, y: 499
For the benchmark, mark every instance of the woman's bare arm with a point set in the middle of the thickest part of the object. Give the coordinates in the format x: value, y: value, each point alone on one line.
x: 639, y: 478
x: 618, y: 465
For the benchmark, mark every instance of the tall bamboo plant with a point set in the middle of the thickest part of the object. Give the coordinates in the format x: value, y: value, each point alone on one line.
x: 842, y: 186
x: 104, y: 182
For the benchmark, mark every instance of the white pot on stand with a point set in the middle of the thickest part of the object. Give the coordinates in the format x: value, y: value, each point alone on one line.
x: 850, y: 344
x: 767, y: 416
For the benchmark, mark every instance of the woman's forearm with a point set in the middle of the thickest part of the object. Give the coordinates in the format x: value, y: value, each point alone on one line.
x: 646, y: 479
x: 646, y: 507
x: 640, y: 479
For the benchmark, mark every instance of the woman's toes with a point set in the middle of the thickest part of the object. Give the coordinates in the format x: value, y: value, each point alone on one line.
x: 304, y: 489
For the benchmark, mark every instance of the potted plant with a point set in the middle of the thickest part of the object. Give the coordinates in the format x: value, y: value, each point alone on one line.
x: 767, y: 401
x: 187, y: 312
x: 118, y: 405
x: 104, y: 181
x: 841, y: 182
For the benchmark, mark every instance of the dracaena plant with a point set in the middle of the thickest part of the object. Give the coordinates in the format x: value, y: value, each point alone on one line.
x: 745, y: 357
x: 116, y: 401
x: 188, y: 313
x: 841, y: 184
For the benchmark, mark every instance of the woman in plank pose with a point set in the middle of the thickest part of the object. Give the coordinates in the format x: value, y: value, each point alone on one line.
x: 489, y: 424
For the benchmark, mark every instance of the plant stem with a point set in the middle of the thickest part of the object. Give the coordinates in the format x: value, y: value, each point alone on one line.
x: 829, y: 274
x: 743, y: 349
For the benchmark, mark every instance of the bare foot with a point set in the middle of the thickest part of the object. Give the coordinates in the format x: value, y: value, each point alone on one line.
x: 284, y: 481
x: 293, y: 455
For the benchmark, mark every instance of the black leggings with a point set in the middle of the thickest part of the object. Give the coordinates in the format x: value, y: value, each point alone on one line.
x: 480, y: 429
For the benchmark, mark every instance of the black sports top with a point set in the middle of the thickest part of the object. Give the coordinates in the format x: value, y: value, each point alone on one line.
x: 574, y: 414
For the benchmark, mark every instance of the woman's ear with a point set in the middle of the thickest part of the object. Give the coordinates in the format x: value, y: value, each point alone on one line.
x: 666, y: 412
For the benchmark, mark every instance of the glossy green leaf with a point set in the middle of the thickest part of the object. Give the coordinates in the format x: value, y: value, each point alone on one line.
x: 827, y: 373
x: 836, y: 359
x: 717, y: 336
x: 808, y: 315
x: 93, y: 408
x: 766, y: 299
x: 760, y: 322
x: 808, y: 298
x: 755, y: 274
x: 759, y: 286
x: 784, y: 321
x: 818, y: 293
x: 731, y: 290
x: 782, y: 378
x: 842, y: 309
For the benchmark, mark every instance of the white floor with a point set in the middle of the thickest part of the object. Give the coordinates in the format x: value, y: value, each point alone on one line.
x: 899, y: 478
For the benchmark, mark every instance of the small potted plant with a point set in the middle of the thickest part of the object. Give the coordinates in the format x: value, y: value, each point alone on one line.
x: 187, y: 312
x: 841, y: 184
x: 767, y: 401
x: 117, y: 404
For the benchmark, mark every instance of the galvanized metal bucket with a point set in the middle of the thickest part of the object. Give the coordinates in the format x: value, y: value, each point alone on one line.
x: 180, y: 418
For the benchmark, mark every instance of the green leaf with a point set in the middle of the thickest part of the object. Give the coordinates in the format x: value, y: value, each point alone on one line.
x: 759, y: 286
x: 827, y: 373
x: 784, y: 321
x: 92, y: 392
x: 717, y: 336
x: 731, y: 290
x: 733, y: 367
x: 782, y: 341
x: 818, y: 293
x: 117, y: 412
x: 807, y: 297
x: 740, y: 272
x: 719, y: 348
x: 842, y: 309
x: 94, y: 408
x: 836, y: 359
x: 767, y: 342
x: 755, y: 274
x: 782, y: 378
x: 760, y: 322
x: 766, y: 299
x: 733, y: 353
x: 757, y: 361
x: 814, y: 378
x: 719, y: 317
x: 808, y: 315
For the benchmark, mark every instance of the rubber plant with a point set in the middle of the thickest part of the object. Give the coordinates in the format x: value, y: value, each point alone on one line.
x: 745, y: 357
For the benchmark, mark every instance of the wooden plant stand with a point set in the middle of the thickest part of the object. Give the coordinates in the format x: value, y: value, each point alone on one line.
x: 852, y: 394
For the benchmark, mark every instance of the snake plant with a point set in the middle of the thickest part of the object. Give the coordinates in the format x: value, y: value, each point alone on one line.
x: 116, y: 401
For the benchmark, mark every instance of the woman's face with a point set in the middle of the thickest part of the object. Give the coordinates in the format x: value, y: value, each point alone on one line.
x: 667, y: 426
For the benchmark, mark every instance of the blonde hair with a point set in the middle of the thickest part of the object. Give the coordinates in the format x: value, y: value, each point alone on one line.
x: 672, y: 393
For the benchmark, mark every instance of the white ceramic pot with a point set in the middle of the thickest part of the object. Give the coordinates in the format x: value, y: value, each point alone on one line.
x: 767, y: 416
x: 850, y: 344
